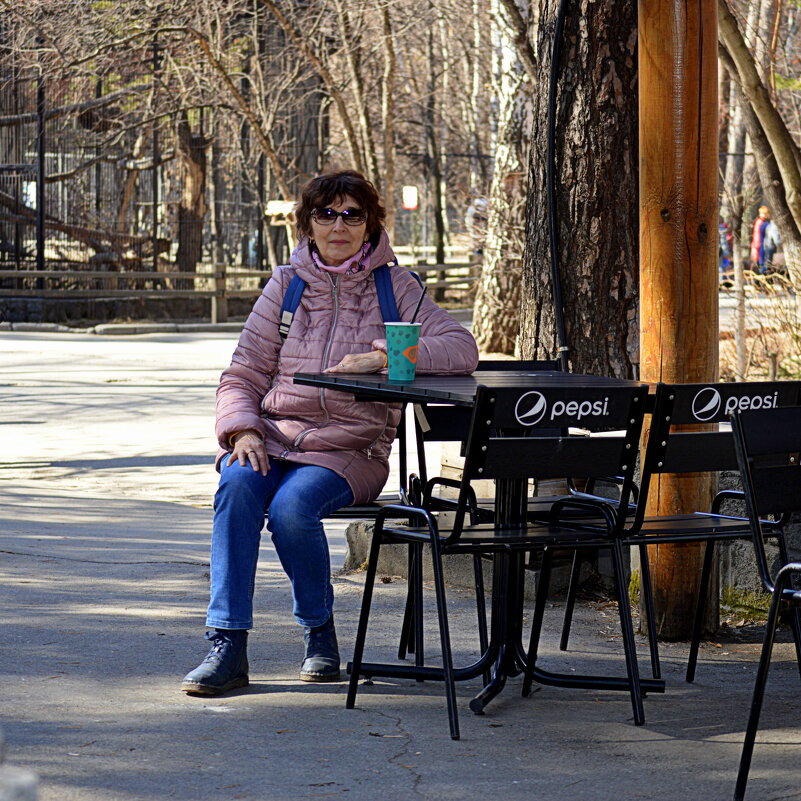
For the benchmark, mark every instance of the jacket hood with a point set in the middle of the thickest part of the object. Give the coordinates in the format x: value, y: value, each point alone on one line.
x: 301, y: 259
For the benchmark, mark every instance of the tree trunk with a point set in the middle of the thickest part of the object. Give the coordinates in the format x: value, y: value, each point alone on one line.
x: 350, y: 47
x: 472, y: 117
x: 219, y: 302
x: 192, y: 208
x: 435, y: 167
x: 127, y: 194
x: 497, y: 303
x: 596, y: 204
x: 678, y: 264
x: 388, y: 118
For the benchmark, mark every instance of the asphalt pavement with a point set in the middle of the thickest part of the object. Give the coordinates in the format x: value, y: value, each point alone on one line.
x: 106, y: 483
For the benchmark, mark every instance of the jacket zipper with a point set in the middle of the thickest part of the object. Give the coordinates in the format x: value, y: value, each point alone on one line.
x: 326, y: 351
x: 370, y: 447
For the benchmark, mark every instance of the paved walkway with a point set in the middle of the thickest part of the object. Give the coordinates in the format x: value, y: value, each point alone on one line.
x: 105, y: 489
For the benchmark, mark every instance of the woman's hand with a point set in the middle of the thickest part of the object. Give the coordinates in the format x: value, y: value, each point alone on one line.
x: 249, y: 449
x: 370, y: 362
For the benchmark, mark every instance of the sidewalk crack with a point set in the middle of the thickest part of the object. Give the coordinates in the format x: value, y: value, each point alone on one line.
x: 401, y: 757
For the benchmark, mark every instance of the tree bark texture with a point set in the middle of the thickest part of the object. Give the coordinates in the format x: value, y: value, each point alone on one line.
x: 678, y: 253
x: 596, y: 193
x: 496, y: 310
x: 192, y: 208
x: 388, y: 118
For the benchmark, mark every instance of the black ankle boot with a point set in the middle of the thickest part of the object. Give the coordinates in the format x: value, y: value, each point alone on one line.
x: 224, y: 668
x: 321, y: 662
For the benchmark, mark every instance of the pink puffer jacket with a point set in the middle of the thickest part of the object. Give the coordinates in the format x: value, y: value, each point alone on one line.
x: 338, y: 315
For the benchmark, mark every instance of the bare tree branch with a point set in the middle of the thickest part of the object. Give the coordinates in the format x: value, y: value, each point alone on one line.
x: 73, y: 108
x: 316, y: 63
x: 788, y: 158
x: 246, y: 111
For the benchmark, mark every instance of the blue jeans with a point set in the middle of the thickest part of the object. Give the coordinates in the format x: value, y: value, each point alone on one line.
x: 296, y: 497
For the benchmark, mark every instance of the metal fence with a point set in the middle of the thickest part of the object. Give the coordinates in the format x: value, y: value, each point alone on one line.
x: 93, y: 186
x: 90, y: 192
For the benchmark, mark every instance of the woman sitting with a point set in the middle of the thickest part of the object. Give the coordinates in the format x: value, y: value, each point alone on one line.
x: 298, y: 452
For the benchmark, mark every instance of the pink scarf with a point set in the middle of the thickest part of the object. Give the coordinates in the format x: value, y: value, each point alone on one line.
x: 354, y: 264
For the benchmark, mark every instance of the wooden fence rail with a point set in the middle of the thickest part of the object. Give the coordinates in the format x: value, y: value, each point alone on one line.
x: 218, y: 284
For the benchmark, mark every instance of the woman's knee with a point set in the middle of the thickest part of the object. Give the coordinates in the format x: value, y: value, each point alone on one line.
x: 238, y: 483
x: 305, y: 496
x: 288, y: 514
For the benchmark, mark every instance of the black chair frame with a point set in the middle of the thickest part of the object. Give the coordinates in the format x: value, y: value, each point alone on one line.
x: 768, y: 448
x: 441, y: 423
x: 671, y: 448
x: 499, y: 447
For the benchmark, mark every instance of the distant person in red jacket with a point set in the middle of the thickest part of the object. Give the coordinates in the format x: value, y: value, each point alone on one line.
x: 765, y: 240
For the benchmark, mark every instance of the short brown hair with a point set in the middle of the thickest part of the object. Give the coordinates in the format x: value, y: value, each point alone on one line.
x: 329, y: 187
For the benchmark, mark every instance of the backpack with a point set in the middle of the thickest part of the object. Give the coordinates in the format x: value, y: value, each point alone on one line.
x: 383, y: 284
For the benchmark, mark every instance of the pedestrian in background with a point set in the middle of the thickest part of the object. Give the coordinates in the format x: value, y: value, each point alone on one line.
x: 725, y: 243
x: 765, y: 240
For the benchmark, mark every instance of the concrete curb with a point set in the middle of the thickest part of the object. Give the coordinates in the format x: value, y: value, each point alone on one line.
x: 125, y: 329
x: 128, y: 329
x: 464, y: 316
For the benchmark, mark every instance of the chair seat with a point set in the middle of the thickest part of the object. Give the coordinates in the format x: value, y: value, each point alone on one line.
x: 698, y: 526
x: 480, y: 537
x: 364, y: 510
x: 539, y: 507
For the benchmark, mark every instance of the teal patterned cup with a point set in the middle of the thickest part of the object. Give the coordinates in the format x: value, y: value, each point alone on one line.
x: 402, y: 339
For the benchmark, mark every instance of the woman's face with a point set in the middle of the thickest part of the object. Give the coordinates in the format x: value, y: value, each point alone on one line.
x: 338, y: 241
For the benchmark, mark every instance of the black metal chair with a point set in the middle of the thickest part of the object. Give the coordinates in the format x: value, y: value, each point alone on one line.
x: 671, y: 448
x: 451, y: 423
x: 768, y: 447
x: 502, y: 444
x: 441, y: 423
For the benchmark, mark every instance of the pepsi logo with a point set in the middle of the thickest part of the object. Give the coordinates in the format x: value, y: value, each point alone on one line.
x: 706, y: 404
x: 530, y: 408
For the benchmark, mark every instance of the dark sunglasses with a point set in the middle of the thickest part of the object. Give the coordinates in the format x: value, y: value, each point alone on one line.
x: 329, y: 216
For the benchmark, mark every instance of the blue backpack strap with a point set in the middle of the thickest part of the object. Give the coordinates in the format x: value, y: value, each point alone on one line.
x: 386, y: 294
x: 292, y: 297
x: 383, y: 283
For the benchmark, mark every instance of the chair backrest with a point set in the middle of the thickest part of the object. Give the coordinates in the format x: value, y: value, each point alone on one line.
x: 452, y: 423
x: 768, y: 449
x: 522, y: 365
x: 523, y: 433
x: 672, y: 448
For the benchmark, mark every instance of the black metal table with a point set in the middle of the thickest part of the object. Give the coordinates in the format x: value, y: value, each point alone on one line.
x: 457, y: 390
x: 506, y: 651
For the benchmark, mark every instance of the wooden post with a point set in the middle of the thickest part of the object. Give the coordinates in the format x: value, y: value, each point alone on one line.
x: 219, y: 300
x: 678, y: 252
